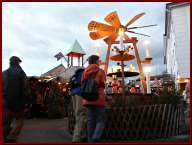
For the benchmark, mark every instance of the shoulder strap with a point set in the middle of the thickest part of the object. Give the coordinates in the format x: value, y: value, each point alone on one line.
x: 94, y: 75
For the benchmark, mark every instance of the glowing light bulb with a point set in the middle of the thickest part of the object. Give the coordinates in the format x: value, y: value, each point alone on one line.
x: 121, y: 31
x: 147, y: 69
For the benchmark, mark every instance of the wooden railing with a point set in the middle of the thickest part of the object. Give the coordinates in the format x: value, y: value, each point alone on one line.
x: 140, y: 122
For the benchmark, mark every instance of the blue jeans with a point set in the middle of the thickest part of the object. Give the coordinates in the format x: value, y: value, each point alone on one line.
x: 96, y: 123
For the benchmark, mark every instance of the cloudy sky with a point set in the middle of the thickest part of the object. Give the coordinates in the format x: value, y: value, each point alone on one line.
x: 37, y: 31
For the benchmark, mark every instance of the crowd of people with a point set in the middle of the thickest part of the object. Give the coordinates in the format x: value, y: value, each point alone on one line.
x: 39, y: 98
x: 115, y: 87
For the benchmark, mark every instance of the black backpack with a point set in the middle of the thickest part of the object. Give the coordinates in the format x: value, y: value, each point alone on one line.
x: 90, y: 89
x: 75, y: 80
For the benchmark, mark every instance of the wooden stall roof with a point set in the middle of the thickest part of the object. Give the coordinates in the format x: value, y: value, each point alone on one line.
x: 55, y: 71
x: 67, y: 74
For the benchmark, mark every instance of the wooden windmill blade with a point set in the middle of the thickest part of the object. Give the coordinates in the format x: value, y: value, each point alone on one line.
x: 139, y: 33
x: 111, y: 38
x: 134, y: 19
x: 141, y: 27
x: 113, y: 19
x: 99, y: 34
x: 93, y: 25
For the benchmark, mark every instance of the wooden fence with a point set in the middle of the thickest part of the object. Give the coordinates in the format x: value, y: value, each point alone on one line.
x: 140, y: 122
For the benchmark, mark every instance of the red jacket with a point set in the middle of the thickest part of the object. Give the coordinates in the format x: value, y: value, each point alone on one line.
x: 100, y: 79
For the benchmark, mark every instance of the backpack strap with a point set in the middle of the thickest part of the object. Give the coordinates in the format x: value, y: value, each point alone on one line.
x: 94, y: 75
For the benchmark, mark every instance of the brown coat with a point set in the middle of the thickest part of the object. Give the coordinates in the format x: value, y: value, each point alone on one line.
x: 100, y: 79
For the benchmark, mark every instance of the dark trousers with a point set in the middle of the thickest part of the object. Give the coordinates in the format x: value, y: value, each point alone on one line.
x: 96, y: 123
x: 11, y: 133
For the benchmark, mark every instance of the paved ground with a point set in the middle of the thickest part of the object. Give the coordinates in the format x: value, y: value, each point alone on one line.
x: 45, y: 130
x: 55, y: 130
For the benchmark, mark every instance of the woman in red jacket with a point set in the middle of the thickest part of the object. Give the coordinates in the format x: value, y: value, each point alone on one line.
x: 96, y: 109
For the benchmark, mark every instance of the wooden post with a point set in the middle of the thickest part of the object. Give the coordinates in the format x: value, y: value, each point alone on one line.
x: 68, y: 61
x: 162, y: 122
x: 140, y: 68
x: 123, y: 79
x: 157, y: 118
x: 174, y: 122
x: 144, y: 109
x: 78, y: 61
x: 167, y: 121
x: 82, y: 60
x: 170, y: 121
x: 122, y: 67
x: 71, y: 60
x: 177, y: 123
x: 107, y: 58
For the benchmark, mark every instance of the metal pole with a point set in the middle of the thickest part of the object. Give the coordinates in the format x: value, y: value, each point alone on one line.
x: 122, y: 67
x: 121, y: 42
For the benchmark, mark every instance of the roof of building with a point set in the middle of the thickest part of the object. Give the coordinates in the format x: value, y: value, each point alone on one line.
x: 76, y: 50
x: 69, y: 72
x: 55, y: 71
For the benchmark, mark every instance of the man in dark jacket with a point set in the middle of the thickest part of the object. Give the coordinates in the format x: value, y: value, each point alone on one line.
x: 15, y: 93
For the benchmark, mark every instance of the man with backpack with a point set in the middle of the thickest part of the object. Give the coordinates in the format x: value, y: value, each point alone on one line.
x: 15, y: 94
x: 79, y: 133
x: 92, y: 87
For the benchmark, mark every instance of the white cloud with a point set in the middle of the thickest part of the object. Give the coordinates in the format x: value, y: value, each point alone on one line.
x: 37, y: 31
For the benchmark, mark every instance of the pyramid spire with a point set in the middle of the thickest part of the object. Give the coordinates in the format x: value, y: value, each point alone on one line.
x: 76, y: 50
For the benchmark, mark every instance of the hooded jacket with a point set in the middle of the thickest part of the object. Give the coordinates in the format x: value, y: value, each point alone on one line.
x: 100, y: 79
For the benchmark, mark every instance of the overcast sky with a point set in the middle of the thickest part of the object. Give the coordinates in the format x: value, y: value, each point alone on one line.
x: 37, y: 31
